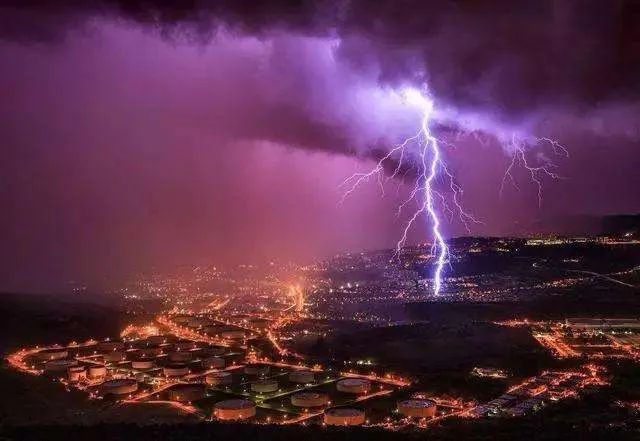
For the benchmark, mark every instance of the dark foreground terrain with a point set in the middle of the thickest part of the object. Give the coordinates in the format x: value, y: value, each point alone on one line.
x: 596, y: 418
x: 30, y: 319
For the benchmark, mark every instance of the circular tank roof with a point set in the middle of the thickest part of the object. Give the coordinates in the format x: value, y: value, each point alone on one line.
x: 235, y: 404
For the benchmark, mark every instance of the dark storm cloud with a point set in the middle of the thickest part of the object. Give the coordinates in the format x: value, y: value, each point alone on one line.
x: 506, y: 59
x: 40, y: 20
x: 515, y: 54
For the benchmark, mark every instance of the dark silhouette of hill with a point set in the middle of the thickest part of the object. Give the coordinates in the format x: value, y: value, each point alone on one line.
x: 33, y: 319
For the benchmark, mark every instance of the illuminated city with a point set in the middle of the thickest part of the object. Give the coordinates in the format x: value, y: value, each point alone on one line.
x: 268, y: 351
x: 320, y: 220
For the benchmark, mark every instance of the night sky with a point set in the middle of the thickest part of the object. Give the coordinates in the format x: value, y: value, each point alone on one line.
x: 138, y: 135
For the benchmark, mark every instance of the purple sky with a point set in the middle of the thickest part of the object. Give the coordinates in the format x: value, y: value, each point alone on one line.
x: 124, y: 148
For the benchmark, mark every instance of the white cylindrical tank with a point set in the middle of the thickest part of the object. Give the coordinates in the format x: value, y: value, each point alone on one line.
x: 309, y: 399
x: 121, y: 386
x: 76, y: 373
x: 264, y: 386
x: 55, y: 366
x: 181, y: 356
x: 96, y: 371
x: 212, y: 351
x: 114, y: 356
x: 417, y: 408
x: 154, y: 340
x: 256, y: 369
x: 151, y: 351
x: 344, y: 416
x: 51, y: 354
x: 218, y: 378
x: 301, y: 377
x: 132, y: 354
x: 237, y: 409
x: 142, y: 364
x: 213, y: 363
x: 354, y: 385
x: 184, y: 345
x: 175, y: 370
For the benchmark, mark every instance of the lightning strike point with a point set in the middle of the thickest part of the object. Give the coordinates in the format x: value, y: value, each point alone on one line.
x: 424, y: 152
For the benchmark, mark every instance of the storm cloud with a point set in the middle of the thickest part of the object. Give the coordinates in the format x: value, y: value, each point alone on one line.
x: 520, y: 65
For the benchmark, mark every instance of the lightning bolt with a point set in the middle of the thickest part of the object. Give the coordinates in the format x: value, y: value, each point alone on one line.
x: 439, y: 247
x: 424, y: 193
x: 425, y: 150
x: 536, y: 172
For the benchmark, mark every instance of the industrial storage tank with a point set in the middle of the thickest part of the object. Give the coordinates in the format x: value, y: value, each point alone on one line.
x: 51, y: 354
x: 236, y: 409
x: 417, y: 408
x: 155, y: 340
x: 212, y: 351
x: 344, y: 416
x: 354, y: 385
x: 143, y: 363
x: 186, y: 392
x: 185, y: 345
x: 264, y: 386
x: 114, y: 356
x: 76, y: 373
x: 175, y: 370
x: 142, y: 376
x: 256, y: 369
x: 119, y: 387
x: 97, y: 371
x: 213, y: 363
x: 301, y: 377
x: 57, y: 366
x: 110, y: 345
x: 309, y: 399
x: 150, y: 351
x: 132, y: 353
x: 181, y: 356
x: 218, y: 378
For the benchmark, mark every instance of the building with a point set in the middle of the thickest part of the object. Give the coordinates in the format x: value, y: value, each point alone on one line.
x: 353, y: 385
x: 417, y: 408
x: 236, y: 409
